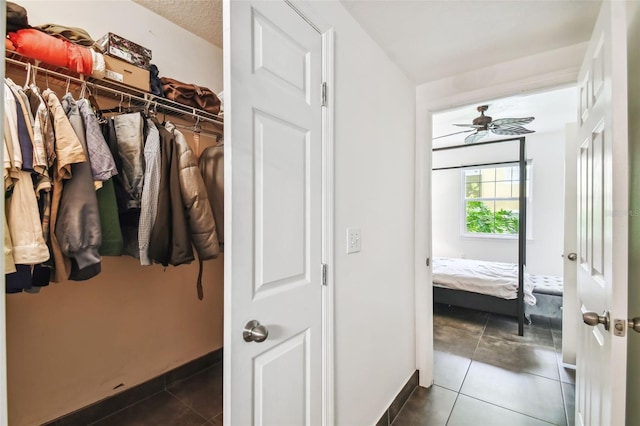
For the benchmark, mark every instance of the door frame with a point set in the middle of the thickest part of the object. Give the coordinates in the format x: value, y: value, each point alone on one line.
x: 4, y: 406
x: 327, y: 35
x: 426, y: 106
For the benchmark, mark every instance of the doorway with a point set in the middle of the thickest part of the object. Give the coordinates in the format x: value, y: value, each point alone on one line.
x: 450, y: 246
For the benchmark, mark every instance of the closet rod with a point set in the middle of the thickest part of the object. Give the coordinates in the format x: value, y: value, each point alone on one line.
x: 148, y: 99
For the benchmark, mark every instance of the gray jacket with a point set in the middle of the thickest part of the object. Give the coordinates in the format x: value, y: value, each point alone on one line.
x: 78, y: 225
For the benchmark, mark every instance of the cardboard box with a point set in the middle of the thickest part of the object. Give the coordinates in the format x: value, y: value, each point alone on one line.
x: 119, y: 47
x: 124, y: 72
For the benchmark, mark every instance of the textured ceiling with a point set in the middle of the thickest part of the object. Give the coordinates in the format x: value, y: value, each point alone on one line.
x: 201, y: 17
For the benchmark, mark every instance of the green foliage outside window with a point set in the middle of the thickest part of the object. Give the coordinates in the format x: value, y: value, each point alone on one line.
x: 491, y: 200
x: 482, y: 220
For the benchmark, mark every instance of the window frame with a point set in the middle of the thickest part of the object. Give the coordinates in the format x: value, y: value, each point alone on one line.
x: 463, y: 205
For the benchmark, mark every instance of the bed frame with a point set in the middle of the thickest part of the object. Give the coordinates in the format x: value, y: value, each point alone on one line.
x: 480, y: 302
x: 514, y: 307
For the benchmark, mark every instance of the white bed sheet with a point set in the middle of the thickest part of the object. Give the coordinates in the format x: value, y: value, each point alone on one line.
x: 491, y: 278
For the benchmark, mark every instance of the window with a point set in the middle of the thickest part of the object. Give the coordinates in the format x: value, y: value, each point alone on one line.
x: 491, y: 200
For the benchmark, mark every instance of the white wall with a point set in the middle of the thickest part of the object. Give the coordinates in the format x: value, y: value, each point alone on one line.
x: 544, y: 247
x: 177, y: 52
x: 374, y: 181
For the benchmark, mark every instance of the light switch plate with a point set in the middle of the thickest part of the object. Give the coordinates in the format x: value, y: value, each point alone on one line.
x: 353, y: 240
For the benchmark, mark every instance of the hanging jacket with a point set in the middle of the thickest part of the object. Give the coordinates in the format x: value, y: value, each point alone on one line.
x: 112, y: 241
x: 25, y: 132
x: 23, y: 217
x: 169, y: 243
x: 43, y: 121
x: 13, y: 153
x: 9, y: 265
x: 149, y: 203
x: 68, y: 151
x: 103, y: 167
x: 211, y: 165
x: 194, y: 199
x: 21, y: 209
x: 78, y: 227
x: 129, y: 134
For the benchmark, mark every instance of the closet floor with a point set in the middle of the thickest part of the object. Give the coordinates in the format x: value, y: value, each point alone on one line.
x: 485, y: 374
x: 194, y: 401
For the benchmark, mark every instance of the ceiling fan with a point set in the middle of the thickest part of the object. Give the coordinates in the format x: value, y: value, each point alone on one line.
x: 484, y: 124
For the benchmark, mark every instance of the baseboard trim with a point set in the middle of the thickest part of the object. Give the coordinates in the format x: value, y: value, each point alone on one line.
x: 105, y: 407
x: 391, y: 413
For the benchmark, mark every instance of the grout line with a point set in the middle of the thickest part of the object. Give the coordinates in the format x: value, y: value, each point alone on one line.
x: 190, y: 408
x: 126, y: 407
x: 166, y: 387
x: 453, y: 406
x: 559, y: 380
x: 508, y: 409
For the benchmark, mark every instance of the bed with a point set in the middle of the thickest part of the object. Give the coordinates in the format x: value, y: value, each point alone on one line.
x: 493, y: 287
x: 547, y: 290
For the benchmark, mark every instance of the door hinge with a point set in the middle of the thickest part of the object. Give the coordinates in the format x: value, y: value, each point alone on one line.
x: 324, y: 94
x: 324, y: 274
x: 428, y: 261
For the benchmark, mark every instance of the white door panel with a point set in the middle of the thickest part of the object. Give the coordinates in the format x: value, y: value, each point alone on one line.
x: 273, y: 125
x: 602, y: 220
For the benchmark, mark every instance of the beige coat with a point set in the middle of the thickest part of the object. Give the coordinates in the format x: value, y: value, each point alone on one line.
x: 194, y: 197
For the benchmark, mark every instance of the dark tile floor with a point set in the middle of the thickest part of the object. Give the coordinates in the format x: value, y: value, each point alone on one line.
x: 194, y: 401
x: 487, y: 375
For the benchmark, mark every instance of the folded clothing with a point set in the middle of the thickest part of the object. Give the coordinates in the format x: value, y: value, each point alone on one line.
x: 38, y: 45
x: 8, y: 45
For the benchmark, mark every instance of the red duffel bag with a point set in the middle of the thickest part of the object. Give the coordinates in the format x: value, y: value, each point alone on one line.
x: 51, y: 50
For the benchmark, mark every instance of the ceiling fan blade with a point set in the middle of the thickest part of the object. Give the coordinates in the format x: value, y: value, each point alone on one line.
x: 475, y: 126
x: 503, y: 121
x: 451, y: 134
x: 511, y: 130
x: 475, y: 136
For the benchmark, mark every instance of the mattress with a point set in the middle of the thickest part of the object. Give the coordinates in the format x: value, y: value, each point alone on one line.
x: 546, y: 284
x: 491, y: 278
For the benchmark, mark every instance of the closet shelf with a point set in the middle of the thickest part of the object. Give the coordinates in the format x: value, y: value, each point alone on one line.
x: 127, y: 94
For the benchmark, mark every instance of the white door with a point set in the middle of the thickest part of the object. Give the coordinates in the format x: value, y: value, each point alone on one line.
x: 273, y: 195
x: 603, y: 220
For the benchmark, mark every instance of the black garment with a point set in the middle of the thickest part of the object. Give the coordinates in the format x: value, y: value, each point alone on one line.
x: 16, y: 17
x: 122, y: 196
x: 170, y: 241
x: 154, y: 81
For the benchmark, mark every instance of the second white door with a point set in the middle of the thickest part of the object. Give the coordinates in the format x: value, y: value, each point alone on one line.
x: 273, y: 120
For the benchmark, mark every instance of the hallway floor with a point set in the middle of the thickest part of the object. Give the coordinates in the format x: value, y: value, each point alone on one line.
x: 485, y: 374
x: 194, y: 401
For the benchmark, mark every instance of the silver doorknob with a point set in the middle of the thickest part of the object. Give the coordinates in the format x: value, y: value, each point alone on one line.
x: 634, y: 324
x: 571, y: 256
x: 593, y: 319
x: 255, y: 332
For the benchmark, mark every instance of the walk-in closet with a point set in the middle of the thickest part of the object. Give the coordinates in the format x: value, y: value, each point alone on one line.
x: 74, y: 343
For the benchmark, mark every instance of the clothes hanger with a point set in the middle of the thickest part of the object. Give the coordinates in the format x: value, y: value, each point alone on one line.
x: 27, y: 80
